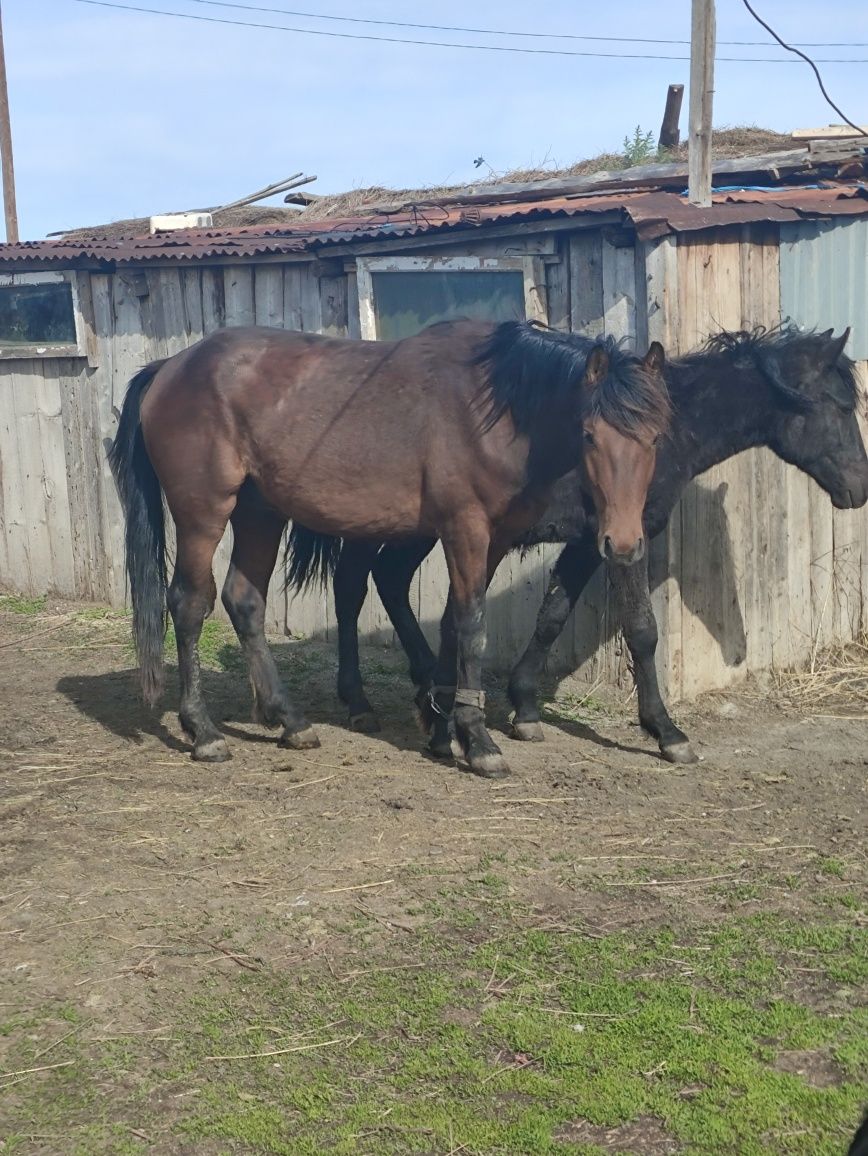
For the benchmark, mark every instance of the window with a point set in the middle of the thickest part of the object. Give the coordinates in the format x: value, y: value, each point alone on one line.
x: 39, y: 315
x: 399, y: 296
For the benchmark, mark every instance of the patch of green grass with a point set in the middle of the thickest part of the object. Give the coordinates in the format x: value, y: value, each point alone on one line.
x: 575, y: 708
x: 101, y: 614
x: 20, y: 604
x: 218, y: 646
x: 438, y: 1044
x: 829, y: 865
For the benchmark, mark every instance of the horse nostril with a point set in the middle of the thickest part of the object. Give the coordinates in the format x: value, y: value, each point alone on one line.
x: 639, y: 550
x: 608, y: 549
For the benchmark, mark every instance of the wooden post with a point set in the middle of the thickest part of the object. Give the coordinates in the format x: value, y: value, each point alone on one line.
x: 669, y: 134
x: 6, y: 151
x: 702, y: 41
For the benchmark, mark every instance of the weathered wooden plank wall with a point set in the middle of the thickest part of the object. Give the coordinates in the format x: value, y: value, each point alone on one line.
x: 754, y: 571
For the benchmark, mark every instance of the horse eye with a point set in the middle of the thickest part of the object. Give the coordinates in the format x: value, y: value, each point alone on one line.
x: 588, y: 437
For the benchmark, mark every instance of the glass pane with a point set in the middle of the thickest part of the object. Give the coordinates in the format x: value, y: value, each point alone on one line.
x: 408, y: 302
x: 37, y: 314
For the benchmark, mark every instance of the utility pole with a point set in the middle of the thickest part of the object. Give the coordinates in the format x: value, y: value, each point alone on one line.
x: 702, y: 42
x: 9, y: 208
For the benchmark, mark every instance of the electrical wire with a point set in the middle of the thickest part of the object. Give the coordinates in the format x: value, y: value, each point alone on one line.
x: 440, y: 43
x: 504, y: 31
x: 808, y: 60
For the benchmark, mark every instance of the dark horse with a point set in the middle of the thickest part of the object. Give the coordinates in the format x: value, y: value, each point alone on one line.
x: 457, y: 433
x: 792, y: 391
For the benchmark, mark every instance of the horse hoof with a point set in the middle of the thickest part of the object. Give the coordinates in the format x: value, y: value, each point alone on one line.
x: 306, y: 740
x: 441, y: 749
x: 489, y: 766
x: 215, y: 751
x: 365, y: 723
x: 527, y: 732
x: 679, y: 753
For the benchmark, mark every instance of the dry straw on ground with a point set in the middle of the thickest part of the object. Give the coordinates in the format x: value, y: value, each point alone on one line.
x: 837, y: 677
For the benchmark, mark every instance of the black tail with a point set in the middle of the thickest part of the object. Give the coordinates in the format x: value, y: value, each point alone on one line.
x: 309, y: 558
x: 142, y: 500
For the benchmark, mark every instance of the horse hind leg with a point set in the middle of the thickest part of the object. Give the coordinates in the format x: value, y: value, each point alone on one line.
x: 191, y: 598
x: 257, y: 532
x: 350, y: 591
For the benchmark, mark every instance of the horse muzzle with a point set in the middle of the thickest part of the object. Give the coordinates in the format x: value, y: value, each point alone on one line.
x: 621, y: 554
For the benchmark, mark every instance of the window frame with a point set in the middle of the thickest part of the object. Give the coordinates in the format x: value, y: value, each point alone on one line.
x: 532, y: 269
x: 38, y: 349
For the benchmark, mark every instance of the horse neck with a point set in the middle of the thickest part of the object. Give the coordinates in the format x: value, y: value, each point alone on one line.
x: 719, y: 410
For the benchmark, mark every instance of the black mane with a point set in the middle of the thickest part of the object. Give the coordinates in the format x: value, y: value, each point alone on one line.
x: 528, y: 367
x: 778, y: 341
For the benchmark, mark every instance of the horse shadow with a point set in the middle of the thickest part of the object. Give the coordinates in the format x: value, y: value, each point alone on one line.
x: 113, y: 699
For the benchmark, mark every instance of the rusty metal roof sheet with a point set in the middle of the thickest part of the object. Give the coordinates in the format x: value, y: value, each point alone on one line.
x: 651, y: 212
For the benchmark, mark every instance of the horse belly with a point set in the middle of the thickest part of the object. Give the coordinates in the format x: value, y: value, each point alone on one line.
x: 348, y: 504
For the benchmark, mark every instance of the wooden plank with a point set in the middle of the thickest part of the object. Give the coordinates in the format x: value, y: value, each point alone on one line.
x: 30, y: 475
x: 164, y: 312
x: 619, y: 290
x: 191, y: 289
x: 353, y: 320
x: 213, y: 299
x: 822, y: 569
x: 240, y: 308
x: 268, y: 295
x: 77, y: 484
x: 110, y: 383
x: 310, y: 298
x: 557, y: 274
x: 333, y: 306
x: 48, y: 383
x: 512, y: 606
x: 17, y: 573
x: 586, y: 283
x: 862, y: 375
x: 830, y: 132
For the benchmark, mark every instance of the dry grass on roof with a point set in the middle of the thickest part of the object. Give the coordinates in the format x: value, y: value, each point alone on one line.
x: 744, y: 140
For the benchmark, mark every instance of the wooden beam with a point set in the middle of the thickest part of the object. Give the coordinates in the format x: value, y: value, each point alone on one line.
x: 830, y: 132
x: 669, y: 134
x: 9, y: 207
x: 702, y: 42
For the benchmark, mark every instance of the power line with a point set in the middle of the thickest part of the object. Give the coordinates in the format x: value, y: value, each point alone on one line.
x: 504, y: 31
x: 789, y: 48
x: 441, y: 43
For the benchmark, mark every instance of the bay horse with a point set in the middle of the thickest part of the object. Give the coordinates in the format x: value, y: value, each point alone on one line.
x: 792, y: 391
x: 457, y: 433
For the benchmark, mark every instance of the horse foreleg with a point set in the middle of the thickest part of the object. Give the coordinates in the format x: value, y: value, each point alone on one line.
x: 471, y: 558
x: 191, y: 598
x: 577, y: 563
x: 257, y: 533
x: 350, y: 590
x: 630, y: 584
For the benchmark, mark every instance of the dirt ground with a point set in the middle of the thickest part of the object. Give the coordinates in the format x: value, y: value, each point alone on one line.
x: 130, y: 876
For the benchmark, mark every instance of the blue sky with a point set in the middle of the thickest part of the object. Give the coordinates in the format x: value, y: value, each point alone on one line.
x: 119, y: 114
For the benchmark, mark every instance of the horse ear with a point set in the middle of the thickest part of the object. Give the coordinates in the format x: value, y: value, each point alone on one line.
x: 655, y: 359
x: 597, y: 366
x: 835, y: 347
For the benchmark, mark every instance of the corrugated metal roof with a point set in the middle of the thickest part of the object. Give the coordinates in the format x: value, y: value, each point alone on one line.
x: 652, y: 212
x: 823, y: 278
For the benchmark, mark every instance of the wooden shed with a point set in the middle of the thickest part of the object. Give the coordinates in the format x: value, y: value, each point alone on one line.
x: 756, y: 570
